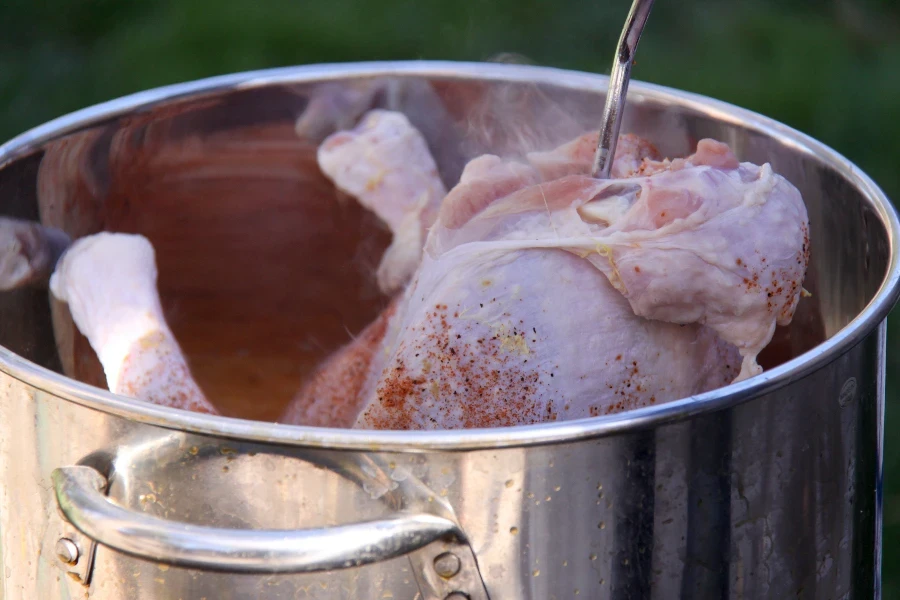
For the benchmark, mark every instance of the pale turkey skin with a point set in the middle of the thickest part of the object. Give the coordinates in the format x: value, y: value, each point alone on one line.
x: 544, y: 294
x: 732, y: 256
x: 480, y: 343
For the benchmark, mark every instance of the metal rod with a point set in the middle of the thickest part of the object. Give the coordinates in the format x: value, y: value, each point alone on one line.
x: 618, y: 87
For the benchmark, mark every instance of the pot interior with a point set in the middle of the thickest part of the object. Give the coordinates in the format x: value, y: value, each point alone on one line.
x: 265, y: 269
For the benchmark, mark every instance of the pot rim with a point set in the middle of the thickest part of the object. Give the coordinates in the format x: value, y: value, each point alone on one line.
x: 88, y: 396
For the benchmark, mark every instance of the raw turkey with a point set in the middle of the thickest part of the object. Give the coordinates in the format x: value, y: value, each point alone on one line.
x: 385, y: 163
x: 531, y: 292
x: 544, y: 294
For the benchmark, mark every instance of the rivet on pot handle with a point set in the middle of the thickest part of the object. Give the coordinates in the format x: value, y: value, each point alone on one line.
x: 239, y: 550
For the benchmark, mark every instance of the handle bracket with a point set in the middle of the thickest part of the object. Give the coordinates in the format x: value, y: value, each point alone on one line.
x: 73, y: 551
x: 445, y: 568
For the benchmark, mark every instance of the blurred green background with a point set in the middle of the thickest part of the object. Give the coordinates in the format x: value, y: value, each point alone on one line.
x: 830, y: 68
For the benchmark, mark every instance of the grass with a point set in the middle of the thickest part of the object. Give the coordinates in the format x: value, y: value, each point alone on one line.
x: 828, y: 68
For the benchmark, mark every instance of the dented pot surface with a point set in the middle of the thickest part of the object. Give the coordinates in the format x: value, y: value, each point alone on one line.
x: 768, y: 488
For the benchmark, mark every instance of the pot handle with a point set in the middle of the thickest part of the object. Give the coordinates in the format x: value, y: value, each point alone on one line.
x: 260, y: 551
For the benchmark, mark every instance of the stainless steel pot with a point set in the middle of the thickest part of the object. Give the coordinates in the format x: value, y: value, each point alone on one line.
x: 766, y: 489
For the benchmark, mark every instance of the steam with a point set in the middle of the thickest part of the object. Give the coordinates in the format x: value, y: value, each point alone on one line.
x: 513, y: 119
x: 460, y: 119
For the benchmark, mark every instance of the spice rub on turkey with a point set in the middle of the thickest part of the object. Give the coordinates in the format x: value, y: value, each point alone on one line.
x: 544, y: 294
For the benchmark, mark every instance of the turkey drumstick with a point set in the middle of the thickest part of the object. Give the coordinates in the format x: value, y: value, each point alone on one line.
x: 109, y: 282
x: 385, y: 164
